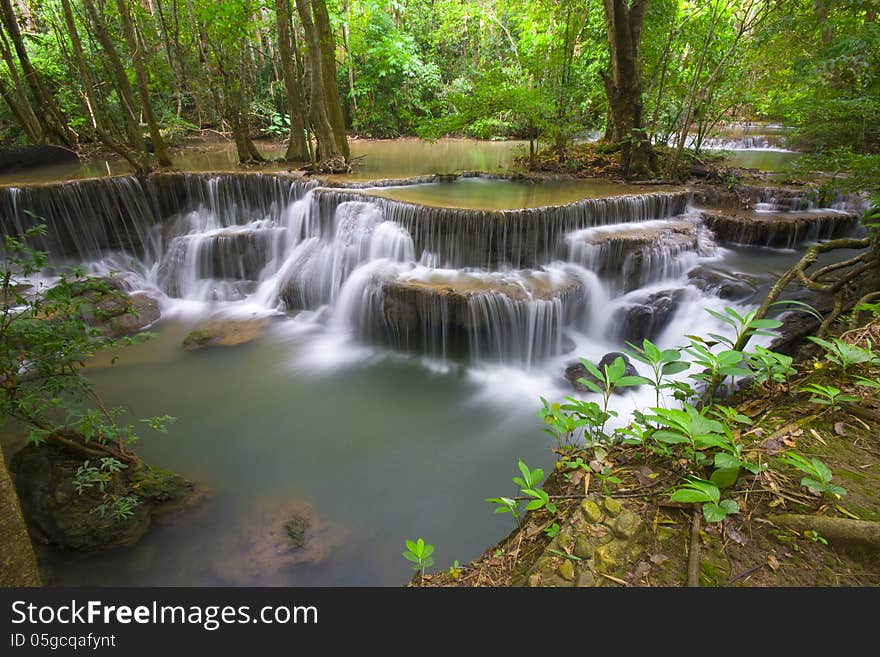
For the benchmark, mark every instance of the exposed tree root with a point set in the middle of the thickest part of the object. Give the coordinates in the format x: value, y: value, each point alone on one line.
x: 839, y: 530
x: 694, y: 553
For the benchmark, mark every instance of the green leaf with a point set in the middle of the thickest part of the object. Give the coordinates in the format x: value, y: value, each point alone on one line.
x: 670, y: 438
x: 730, y: 506
x: 822, y: 470
x: 590, y: 385
x: 689, y: 496
x: 713, y: 512
x: 675, y: 367
x: 628, y: 381
x: 725, y: 477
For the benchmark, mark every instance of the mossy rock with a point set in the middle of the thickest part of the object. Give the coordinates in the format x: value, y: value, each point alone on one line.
x: 225, y: 333
x: 58, y: 515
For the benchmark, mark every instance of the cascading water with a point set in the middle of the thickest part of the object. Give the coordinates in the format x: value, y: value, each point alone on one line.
x: 514, y: 287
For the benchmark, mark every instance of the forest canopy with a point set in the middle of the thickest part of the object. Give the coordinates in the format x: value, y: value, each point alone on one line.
x: 136, y: 77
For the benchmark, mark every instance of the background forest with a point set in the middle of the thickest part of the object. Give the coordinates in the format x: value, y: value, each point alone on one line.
x: 136, y: 76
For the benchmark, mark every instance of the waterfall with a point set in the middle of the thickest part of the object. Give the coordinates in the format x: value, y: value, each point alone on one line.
x: 510, y: 287
x: 630, y: 256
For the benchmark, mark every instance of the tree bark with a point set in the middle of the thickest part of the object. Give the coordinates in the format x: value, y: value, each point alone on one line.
x: 51, y: 114
x: 123, y: 86
x: 623, y: 85
x: 18, y: 564
x: 328, y: 66
x: 140, y: 74
x: 327, y: 144
x: 101, y: 126
x: 17, y: 97
x: 297, y: 149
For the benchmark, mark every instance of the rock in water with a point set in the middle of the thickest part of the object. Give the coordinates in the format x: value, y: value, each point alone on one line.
x: 733, y: 286
x: 72, y: 521
x: 225, y: 333
x: 648, y: 318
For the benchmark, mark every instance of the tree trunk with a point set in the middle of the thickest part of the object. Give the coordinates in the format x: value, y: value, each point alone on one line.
x: 18, y: 95
x: 327, y: 145
x: 331, y: 86
x: 297, y: 149
x: 18, y: 564
x: 102, y: 128
x: 140, y: 74
x: 51, y: 115
x: 623, y: 21
x: 123, y: 86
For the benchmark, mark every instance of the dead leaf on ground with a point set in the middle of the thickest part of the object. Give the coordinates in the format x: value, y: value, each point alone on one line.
x: 818, y: 437
x: 773, y: 562
x: 645, y: 476
x: 840, y: 428
x: 733, y: 534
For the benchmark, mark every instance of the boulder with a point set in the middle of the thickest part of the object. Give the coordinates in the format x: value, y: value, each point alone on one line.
x: 106, y: 304
x: 61, y: 516
x: 225, y: 333
x: 646, y: 319
x: 639, y: 253
x: 734, y: 286
x: 475, y: 313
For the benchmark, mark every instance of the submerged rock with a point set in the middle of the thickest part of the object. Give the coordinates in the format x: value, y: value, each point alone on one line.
x: 225, y: 333
x: 62, y: 517
x: 274, y: 542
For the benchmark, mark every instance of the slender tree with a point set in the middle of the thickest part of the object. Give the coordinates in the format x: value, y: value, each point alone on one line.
x: 297, y: 148
x: 51, y: 115
x: 123, y: 86
x: 140, y: 74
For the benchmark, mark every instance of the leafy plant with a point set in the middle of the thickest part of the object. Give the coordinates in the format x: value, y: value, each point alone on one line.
x: 663, y: 363
x: 566, y: 421
x: 529, y: 485
x: 827, y: 395
x: 506, y: 505
x: 845, y: 355
x: 699, y: 491
x: 609, y: 379
x: 769, y: 366
x: 552, y: 530
x: 716, y: 367
x: 818, y: 477
x: 743, y: 325
x: 419, y: 553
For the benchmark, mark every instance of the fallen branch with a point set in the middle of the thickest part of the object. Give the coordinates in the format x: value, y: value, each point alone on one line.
x: 836, y: 530
x: 694, y: 553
